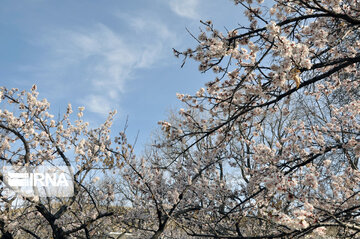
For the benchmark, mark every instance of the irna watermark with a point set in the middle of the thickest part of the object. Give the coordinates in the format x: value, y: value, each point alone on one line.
x: 40, y: 181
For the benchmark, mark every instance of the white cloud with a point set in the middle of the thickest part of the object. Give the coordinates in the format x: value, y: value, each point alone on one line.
x: 98, y: 104
x: 185, y: 8
x: 106, y: 59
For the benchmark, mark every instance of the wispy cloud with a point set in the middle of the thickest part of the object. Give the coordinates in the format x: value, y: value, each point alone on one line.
x: 185, y: 8
x: 103, y: 55
x: 107, y: 59
x: 98, y: 104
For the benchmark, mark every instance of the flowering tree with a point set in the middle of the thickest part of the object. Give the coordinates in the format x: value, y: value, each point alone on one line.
x: 270, y: 148
x: 31, y: 136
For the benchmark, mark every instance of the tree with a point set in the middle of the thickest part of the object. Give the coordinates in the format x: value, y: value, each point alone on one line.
x: 270, y: 148
x: 31, y: 136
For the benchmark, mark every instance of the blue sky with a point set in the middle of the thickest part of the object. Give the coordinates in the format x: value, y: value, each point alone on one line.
x: 109, y: 54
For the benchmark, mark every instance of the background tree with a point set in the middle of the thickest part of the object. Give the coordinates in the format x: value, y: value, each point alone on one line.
x: 31, y: 136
